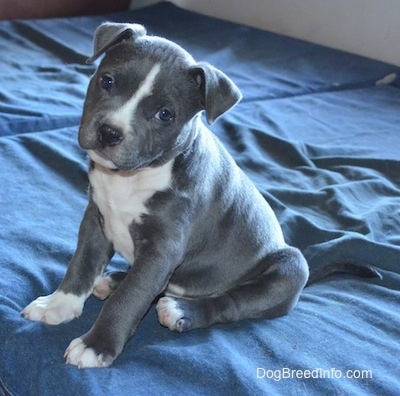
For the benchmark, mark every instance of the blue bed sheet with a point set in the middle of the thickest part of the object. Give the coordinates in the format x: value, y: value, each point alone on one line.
x: 317, y: 135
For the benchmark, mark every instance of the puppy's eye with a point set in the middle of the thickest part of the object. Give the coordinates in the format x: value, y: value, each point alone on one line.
x: 106, y: 82
x: 164, y: 115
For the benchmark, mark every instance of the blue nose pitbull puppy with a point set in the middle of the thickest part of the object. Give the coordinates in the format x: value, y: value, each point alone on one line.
x: 167, y: 196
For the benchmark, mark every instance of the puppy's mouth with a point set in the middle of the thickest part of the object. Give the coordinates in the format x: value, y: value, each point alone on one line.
x: 100, y: 158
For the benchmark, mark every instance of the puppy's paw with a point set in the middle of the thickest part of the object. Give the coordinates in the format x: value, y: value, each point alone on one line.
x: 105, y: 285
x: 101, y: 288
x: 78, y: 354
x: 172, y: 315
x: 55, y: 308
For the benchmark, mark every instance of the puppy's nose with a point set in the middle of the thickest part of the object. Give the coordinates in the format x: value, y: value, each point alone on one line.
x: 109, y: 136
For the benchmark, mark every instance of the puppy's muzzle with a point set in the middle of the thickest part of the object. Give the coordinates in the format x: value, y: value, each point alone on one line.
x: 109, y: 136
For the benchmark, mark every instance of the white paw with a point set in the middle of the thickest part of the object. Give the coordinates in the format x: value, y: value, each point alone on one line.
x: 101, y: 288
x: 168, y: 312
x: 55, y: 308
x: 79, y: 355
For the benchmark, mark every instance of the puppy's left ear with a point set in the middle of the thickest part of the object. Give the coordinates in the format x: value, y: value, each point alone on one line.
x: 109, y: 33
x: 218, y: 91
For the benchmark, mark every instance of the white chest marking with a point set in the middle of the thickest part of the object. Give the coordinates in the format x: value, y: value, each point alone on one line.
x: 122, y: 118
x: 121, y: 198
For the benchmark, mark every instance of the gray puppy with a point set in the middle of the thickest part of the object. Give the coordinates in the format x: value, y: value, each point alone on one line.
x: 166, y: 195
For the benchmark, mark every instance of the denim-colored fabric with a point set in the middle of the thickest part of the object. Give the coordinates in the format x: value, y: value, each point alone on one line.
x: 315, y: 134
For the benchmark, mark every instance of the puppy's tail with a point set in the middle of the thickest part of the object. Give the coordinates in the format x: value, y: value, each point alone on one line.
x: 363, y: 271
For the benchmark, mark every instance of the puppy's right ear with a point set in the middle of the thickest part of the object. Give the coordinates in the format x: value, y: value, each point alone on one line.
x: 109, y: 33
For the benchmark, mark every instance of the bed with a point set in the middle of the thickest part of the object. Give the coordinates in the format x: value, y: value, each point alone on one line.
x: 318, y: 133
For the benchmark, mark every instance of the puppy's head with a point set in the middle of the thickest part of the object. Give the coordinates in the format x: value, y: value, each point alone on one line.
x: 143, y: 100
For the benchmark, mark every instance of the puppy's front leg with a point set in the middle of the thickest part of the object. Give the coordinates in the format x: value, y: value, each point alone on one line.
x: 93, y: 253
x: 125, y: 308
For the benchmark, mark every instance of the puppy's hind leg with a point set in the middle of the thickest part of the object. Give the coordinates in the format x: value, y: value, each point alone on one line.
x: 273, y: 293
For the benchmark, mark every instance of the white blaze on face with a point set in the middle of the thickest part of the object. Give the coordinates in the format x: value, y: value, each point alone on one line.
x: 121, y: 118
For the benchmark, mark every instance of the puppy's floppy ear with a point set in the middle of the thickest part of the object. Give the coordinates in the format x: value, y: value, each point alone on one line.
x: 109, y: 33
x: 218, y: 91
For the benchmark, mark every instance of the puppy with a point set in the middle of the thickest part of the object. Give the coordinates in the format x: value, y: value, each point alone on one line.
x: 167, y: 196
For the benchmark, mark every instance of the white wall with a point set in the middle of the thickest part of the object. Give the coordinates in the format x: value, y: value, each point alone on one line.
x: 366, y: 27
